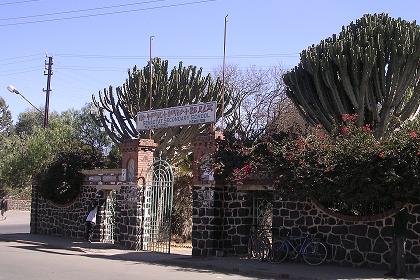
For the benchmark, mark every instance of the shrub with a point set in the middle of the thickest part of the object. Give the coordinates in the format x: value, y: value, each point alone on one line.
x: 350, y: 172
x: 61, y: 181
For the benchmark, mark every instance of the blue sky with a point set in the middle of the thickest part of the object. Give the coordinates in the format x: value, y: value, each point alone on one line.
x: 94, y: 51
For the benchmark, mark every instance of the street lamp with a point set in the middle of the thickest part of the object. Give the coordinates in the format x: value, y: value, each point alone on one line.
x: 14, y: 90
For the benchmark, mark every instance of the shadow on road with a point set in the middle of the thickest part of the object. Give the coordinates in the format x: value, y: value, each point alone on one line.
x: 182, y: 262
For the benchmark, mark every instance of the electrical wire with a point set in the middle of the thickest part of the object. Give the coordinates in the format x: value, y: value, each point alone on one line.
x: 97, y: 56
x: 19, y: 57
x: 20, y: 72
x: 19, y: 2
x: 83, y: 10
x: 20, y: 61
x: 108, y: 13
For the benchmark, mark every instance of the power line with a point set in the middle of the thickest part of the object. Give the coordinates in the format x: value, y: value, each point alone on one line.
x: 108, y: 13
x: 19, y: 61
x: 18, y: 2
x: 97, y: 56
x: 96, y: 69
x: 19, y: 57
x: 21, y: 72
x: 83, y: 10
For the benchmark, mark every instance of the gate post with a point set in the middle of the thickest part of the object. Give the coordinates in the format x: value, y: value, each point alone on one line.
x: 137, y: 159
x: 207, y: 229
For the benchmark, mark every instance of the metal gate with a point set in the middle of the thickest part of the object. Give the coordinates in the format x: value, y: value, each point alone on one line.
x: 158, y: 208
x: 109, y: 221
x: 262, y: 212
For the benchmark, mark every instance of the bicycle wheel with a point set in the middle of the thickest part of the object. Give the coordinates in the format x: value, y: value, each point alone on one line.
x: 314, y: 253
x: 278, y: 252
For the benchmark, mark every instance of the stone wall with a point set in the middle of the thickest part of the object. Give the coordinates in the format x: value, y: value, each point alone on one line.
x: 129, y: 217
x: 220, y: 223
x: 207, y: 221
x: 62, y: 220
x: 18, y: 204
x: 69, y: 220
x: 361, y: 241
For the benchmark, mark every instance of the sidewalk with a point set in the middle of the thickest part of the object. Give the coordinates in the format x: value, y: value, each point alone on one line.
x: 181, y: 257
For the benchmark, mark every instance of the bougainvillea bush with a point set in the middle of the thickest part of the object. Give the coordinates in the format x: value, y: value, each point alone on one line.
x: 349, y: 171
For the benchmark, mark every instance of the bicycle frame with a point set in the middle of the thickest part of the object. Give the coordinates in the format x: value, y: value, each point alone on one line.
x: 301, y: 246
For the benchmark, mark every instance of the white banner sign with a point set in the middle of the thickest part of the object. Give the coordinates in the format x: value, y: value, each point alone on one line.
x: 177, y: 116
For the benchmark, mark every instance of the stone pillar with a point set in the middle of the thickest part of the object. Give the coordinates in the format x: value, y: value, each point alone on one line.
x: 207, y: 230
x: 137, y: 159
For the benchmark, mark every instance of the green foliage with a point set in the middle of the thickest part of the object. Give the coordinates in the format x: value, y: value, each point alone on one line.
x: 28, y: 121
x: 5, y: 119
x: 371, y: 68
x: 114, y: 157
x: 233, y: 154
x: 23, y: 157
x: 86, y: 130
x: 61, y: 181
x: 182, y: 207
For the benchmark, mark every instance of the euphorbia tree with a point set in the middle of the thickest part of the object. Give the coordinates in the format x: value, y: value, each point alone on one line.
x: 181, y: 86
x: 371, y: 68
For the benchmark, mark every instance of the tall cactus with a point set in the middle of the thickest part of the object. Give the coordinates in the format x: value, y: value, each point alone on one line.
x: 372, y: 69
x: 116, y: 109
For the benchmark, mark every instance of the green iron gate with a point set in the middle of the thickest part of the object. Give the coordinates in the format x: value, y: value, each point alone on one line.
x: 158, y: 208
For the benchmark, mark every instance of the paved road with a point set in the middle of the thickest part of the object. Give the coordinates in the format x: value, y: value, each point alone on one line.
x: 27, y: 256
x: 20, y: 261
x: 24, y: 258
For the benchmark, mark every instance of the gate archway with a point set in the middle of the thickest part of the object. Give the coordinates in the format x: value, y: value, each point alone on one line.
x: 158, y: 207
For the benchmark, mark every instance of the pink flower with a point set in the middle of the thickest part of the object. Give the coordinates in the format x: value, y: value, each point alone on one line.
x: 246, y: 169
x: 289, y: 157
x: 413, y: 134
x: 367, y: 128
x: 381, y: 154
x: 349, y: 117
x: 300, y: 144
x: 344, y: 130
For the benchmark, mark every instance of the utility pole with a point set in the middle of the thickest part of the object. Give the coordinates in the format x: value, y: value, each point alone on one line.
x: 151, y: 79
x: 223, y: 76
x: 48, y: 68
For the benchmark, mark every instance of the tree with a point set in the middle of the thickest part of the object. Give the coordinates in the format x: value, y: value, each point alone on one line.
x: 23, y: 157
x: 28, y: 121
x: 181, y: 86
x: 61, y: 181
x: 259, y: 94
x: 5, y: 118
x: 371, y: 68
x: 86, y: 129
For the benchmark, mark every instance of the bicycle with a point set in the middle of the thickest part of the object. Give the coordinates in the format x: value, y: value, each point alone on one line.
x: 313, y: 252
x: 259, y: 243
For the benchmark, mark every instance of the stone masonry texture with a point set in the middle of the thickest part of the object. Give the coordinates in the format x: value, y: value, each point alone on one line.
x: 361, y: 241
